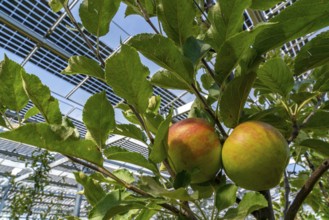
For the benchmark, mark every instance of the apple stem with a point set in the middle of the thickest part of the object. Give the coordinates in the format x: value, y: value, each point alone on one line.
x: 306, y: 189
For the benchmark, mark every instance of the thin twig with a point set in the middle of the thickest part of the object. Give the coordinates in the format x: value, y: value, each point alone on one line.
x: 210, y: 111
x: 306, y: 189
x: 147, y: 17
x: 90, y: 46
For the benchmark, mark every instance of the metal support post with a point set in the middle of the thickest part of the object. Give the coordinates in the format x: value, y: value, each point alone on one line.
x: 4, y: 197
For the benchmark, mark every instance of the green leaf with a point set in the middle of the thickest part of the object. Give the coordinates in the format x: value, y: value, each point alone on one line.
x: 320, y: 120
x: 225, y: 196
x: 128, y: 77
x: 120, y: 154
x: 112, y: 204
x: 195, y: 49
x: 226, y: 19
x: 148, y: 212
x: 31, y: 112
x: 250, y: 202
x: 168, y: 80
x: 124, y: 175
x: 154, y: 104
x: 2, y: 121
x: 264, y: 4
x: 43, y: 136
x: 156, y: 189
x: 182, y: 179
x: 96, y: 15
x: 57, y: 5
x: 42, y: 99
x: 130, y: 130
x: 234, y: 98
x: 276, y: 76
x: 12, y: 94
x: 93, y: 191
x: 177, y: 19
x: 314, y: 54
x: 299, y: 19
x: 321, y: 75
x: 234, y: 49
x: 317, y: 145
x: 160, y: 146
x: 98, y: 116
x: 84, y: 65
x: 165, y: 53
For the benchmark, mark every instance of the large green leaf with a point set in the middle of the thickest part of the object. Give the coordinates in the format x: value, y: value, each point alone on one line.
x: 234, y: 49
x: 299, y: 19
x: 165, y: 53
x: 317, y: 145
x: 264, y: 4
x: 177, y: 18
x: 320, y: 120
x: 96, y: 15
x: 45, y: 136
x: 93, y: 191
x: 315, y: 53
x: 160, y: 146
x: 276, y: 76
x: 234, y: 98
x: 321, y: 76
x: 128, y: 77
x: 42, y: 99
x: 131, y: 131
x: 195, y: 49
x: 168, y: 80
x: 250, y: 202
x: 226, y: 19
x: 84, y: 65
x: 31, y: 112
x: 225, y: 196
x: 2, y: 121
x: 112, y: 204
x: 12, y: 94
x: 98, y: 116
x: 120, y: 154
x: 156, y: 189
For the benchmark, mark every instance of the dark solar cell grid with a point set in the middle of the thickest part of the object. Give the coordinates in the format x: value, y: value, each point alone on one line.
x: 14, y: 42
x: 126, y: 144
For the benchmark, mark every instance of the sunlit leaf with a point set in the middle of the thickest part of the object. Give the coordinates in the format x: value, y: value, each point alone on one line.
x: 168, y: 80
x: 165, y: 53
x: 128, y: 77
x: 31, y: 112
x: 120, y: 154
x: 98, y: 116
x: 93, y: 191
x: 226, y: 19
x: 130, y: 130
x: 177, y: 19
x: 250, y: 202
x: 320, y: 120
x: 12, y: 94
x: 84, y: 65
x: 160, y: 146
x: 321, y: 76
x: 234, y: 98
x: 297, y: 20
x: 43, y: 136
x: 57, y: 5
x: 41, y: 97
x: 96, y: 15
x: 195, y: 49
x: 225, y: 196
x: 276, y: 76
